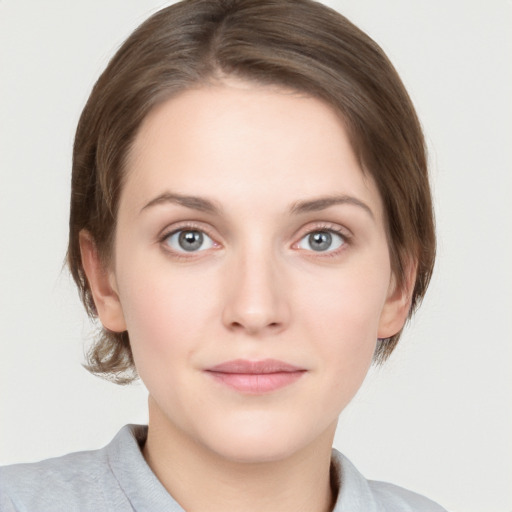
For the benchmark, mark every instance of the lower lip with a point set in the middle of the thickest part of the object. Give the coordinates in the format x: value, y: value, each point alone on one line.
x: 257, y: 383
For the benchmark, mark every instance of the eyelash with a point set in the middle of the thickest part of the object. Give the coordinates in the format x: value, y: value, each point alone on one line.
x: 329, y: 228
x: 326, y: 227
x: 189, y: 226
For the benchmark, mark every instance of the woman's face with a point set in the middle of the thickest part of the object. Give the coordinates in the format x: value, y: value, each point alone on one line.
x: 252, y: 269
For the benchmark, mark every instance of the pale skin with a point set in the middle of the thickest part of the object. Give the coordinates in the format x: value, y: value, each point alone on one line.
x: 290, y: 262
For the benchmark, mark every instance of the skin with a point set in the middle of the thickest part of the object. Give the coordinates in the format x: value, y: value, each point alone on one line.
x: 255, y: 290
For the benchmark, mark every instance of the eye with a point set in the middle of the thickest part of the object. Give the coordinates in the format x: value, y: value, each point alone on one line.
x: 189, y: 240
x: 321, y: 241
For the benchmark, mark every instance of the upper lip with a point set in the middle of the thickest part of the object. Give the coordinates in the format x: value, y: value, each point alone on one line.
x: 263, y: 366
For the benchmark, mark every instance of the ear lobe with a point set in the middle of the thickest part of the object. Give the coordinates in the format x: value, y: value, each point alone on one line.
x: 102, y: 284
x: 398, y: 304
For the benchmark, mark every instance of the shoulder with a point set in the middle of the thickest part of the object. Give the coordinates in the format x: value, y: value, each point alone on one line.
x: 77, y: 481
x: 394, y: 498
x: 58, y: 483
x: 358, y: 494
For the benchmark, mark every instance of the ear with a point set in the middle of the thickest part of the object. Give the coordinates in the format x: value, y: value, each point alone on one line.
x: 102, y: 284
x: 398, y: 303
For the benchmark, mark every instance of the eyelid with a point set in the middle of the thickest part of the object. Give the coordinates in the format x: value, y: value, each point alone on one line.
x: 185, y: 226
x: 324, y: 226
x: 337, y: 229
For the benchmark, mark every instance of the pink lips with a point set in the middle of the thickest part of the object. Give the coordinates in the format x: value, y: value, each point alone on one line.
x: 256, y: 377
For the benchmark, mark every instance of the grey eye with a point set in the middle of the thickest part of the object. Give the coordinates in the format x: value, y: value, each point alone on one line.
x: 321, y: 241
x: 189, y: 240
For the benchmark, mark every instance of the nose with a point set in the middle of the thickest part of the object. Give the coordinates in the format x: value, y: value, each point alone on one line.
x: 256, y: 299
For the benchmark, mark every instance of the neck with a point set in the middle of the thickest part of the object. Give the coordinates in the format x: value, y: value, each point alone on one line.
x: 300, y: 482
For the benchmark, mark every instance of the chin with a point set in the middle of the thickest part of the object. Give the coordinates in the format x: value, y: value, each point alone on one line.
x: 261, y: 442
x: 254, y: 451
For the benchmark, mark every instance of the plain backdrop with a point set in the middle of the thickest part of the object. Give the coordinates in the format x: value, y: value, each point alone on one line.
x: 437, y: 418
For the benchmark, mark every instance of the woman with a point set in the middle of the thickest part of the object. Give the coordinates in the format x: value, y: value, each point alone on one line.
x: 251, y: 221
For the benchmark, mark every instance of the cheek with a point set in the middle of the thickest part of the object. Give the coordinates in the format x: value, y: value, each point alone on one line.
x: 164, y: 312
x: 342, y: 316
x: 346, y: 305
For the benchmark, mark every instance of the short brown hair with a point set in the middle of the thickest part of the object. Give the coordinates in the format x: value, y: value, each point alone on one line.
x: 297, y: 44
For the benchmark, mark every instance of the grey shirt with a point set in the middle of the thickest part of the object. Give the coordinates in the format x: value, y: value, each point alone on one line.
x: 117, y: 479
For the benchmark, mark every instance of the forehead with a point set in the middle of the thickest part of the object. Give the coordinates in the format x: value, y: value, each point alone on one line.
x: 235, y: 139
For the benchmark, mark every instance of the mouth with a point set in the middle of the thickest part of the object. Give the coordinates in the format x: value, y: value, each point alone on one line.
x: 256, y: 377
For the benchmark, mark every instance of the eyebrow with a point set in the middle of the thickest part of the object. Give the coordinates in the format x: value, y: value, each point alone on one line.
x: 193, y: 202
x: 322, y: 203
x: 205, y: 205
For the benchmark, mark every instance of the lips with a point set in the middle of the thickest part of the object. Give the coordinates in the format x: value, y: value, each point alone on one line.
x: 256, y: 377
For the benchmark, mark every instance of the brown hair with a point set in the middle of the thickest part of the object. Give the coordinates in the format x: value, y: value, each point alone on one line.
x: 299, y: 44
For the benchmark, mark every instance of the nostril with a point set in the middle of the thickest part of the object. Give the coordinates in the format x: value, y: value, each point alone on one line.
x: 254, y: 327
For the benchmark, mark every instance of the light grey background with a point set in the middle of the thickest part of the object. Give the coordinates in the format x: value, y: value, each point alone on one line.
x: 437, y: 418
